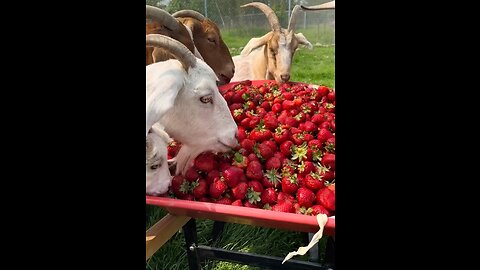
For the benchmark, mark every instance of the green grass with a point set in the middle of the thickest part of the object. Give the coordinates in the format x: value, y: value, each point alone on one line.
x: 315, y: 66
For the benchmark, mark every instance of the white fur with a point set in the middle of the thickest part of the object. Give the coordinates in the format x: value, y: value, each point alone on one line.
x: 252, y: 64
x: 158, y: 179
x: 173, y: 100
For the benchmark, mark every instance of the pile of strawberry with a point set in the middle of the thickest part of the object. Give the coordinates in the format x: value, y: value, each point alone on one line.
x: 286, y: 158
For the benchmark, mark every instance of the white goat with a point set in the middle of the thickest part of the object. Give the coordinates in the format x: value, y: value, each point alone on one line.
x: 270, y: 56
x: 183, y: 97
x: 158, y: 173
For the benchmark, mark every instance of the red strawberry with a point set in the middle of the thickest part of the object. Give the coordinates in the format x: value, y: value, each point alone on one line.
x: 245, y: 122
x: 272, y: 178
x: 242, y: 134
x: 251, y: 205
x: 298, y: 138
x: 281, y: 134
x: 330, y: 145
x: 180, y: 186
x: 240, y: 161
x: 273, y: 163
x: 270, y: 121
x: 204, y: 199
x: 255, y: 185
x: 254, y: 170
x: 285, y: 206
x: 277, y: 107
x: 290, y: 184
x: 328, y: 176
x: 254, y: 121
x: 252, y: 157
x: 286, y: 147
x: 235, y: 106
x: 326, y: 198
x: 332, y: 125
x: 269, y: 195
x: 271, y: 144
x: 266, y: 105
x: 297, y: 102
x: 279, y: 155
x: 247, y: 144
x: 291, y: 121
x: 199, y: 188
x: 173, y: 148
x: 260, y: 133
x: 305, y: 197
x: 288, y: 104
x: 309, y: 126
x: 188, y: 197
x: 238, y: 114
x: 317, y: 119
x: 232, y: 176
x: 318, y: 209
x: 217, y: 188
x: 288, y: 96
x: 224, y: 200
x: 325, y: 125
x: 322, y: 91
x: 305, y: 167
x: 324, y: 134
x: 313, y: 182
x: 263, y: 151
x: 331, y: 96
x: 192, y: 174
x: 237, y: 203
x: 248, y: 105
x: 212, y: 175
x: 328, y: 160
x: 206, y: 162
x: 240, y: 191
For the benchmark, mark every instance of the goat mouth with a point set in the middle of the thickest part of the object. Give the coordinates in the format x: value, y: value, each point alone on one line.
x: 223, y: 80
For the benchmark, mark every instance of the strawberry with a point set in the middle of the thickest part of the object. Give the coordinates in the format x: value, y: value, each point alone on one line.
x: 298, y: 138
x: 289, y: 184
x: 325, y: 125
x: 204, y: 199
x: 173, y: 148
x: 254, y: 170
x: 232, y: 176
x: 245, y: 123
x: 224, y: 200
x: 270, y: 121
x: 255, y: 185
x: 251, y: 205
x: 272, y: 178
x: 309, y: 126
x: 281, y: 134
x: 239, y: 160
x: 328, y: 160
x: 318, y: 209
x: 192, y: 174
x: 260, y: 133
x: 297, y: 102
x: 305, y: 197
x: 271, y: 144
x: 331, y: 96
x: 240, y: 191
x: 328, y: 175
x: 199, y: 188
x: 273, y: 163
x: 254, y: 121
x: 288, y: 104
x: 326, y: 198
x: 331, y: 187
x: 235, y: 106
x: 299, y: 152
x: 228, y: 97
x: 313, y: 181
x: 322, y: 91
x: 206, y: 162
x: 253, y: 196
x: 237, y: 203
x: 266, y: 105
x: 305, y: 167
x: 212, y: 175
x: 252, y: 157
x: 263, y: 151
x: 330, y: 145
x: 288, y: 96
x: 248, y: 145
x: 188, y: 197
x: 248, y: 105
x: 317, y: 119
x: 277, y: 107
x: 329, y: 107
x: 286, y: 147
x: 242, y: 133
x: 180, y: 186
x: 217, y: 188
x: 332, y: 125
x: 324, y: 134
x: 269, y: 195
x: 285, y: 206
x: 238, y: 114
x: 291, y: 121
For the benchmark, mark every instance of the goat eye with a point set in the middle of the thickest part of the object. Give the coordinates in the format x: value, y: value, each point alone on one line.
x: 206, y: 99
x: 154, y: 167
x: 211, y: 40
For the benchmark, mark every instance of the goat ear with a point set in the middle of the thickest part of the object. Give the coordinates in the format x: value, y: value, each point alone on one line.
x: 159, y: 130
x: 161, y: 98
x: 303, y: 40
x: 255, y: 43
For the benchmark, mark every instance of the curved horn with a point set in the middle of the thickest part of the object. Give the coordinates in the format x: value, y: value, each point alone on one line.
x: 181, y: 53
x: 271, y: 16
x: 163, y: 17
x: 189, y: 13
x: 328, y: 5
x: 293, y: 18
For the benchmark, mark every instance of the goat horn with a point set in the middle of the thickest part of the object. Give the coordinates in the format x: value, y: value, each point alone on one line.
x: 293, y: 18
x: 271, y: 16
x: 181, y: 53
x: 328, y: 5
x: 163, y: 17
x: 189, y: 13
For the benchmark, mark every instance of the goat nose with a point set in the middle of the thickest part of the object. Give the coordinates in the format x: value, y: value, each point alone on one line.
x: 285, y: 77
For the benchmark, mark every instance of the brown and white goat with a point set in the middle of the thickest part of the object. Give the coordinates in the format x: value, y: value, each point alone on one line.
x: 209, y: 43
x: 270, y: 56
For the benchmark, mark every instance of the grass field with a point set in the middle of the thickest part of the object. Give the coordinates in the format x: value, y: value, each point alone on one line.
x: 315, y: 66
